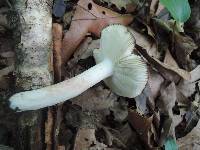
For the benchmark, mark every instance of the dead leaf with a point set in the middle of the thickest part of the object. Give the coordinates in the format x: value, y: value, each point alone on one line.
x: 191, y: 140
x: 67, y: 18
x: 4, y: 82
x: 142, y: 100
x: 85, y: 49
x: 143, y: 126
x: 121, y: 4
x: 92, y: 18
x: 95, y: 99
x: 49, y: 130
x: 156, y: 8
x: 145, y: 43
x: 155, y: 81
x: 165, y: 70
x: 86, y: 140
x: 120, y: 110
x: 7, y: 70
x: 7, y: 54
x: 184, y: 45
x: 167, y: 98
x: 169, y: 59
x: 57, y: 45
x: 187, y: 88
x: 165, y: 104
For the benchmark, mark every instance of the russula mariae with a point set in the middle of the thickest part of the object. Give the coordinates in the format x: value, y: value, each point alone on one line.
x: 123, y: 72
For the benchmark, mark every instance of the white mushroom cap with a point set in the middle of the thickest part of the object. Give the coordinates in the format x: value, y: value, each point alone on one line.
x: 130, y: 72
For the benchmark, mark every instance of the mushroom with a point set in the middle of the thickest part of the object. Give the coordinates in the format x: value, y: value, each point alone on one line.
x: 123, y: 72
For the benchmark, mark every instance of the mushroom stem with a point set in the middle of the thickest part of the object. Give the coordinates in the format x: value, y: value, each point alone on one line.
x: 54, y: 94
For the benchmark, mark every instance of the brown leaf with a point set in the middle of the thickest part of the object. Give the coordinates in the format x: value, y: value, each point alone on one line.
x: 4, y: 82
x: 156, y: 8
x: 187, y: 88
x: 57, y: 45
x: 143, y: 126
x: 167, y: 98
x: 145, y: 43
x: 95, y: 99
x: 191, y: 140
x: 155, y: 81
x: 85, y: 139
x: 128, y: 5
x: 165, y: 103
x: 85, y: 49
x: 169, y: 59
x: 49, y: 130
x: 165, y: 70
x: 67, y: 18
x: 92, y: 18
x: 184, y: 45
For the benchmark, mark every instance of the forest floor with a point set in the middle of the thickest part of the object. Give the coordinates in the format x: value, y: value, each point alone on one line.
x: 165, y: 114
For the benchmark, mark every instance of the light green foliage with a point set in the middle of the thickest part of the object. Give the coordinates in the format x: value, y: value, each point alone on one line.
x: 170, y: 144
x: 179, y: 9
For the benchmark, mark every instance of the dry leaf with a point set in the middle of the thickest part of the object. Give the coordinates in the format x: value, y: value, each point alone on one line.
x: 165, y: 70
x: 169, y: 59
x: 142, y: 100
x: 191, y: 140
x: 86, y: 140
x: 167, y: 98
x: 128, y: 5
x: 143, y: 127
x: 67, y: 18
x: 95, y: 99
x: 187, y: 88
x: 155, y: 81
x: 49, y: 130
x: 165, y: 103
x: 145, y: 43
x: 92, y: 18
x: 85, y: 49
x: 57, y: 45
x: 184, y: 45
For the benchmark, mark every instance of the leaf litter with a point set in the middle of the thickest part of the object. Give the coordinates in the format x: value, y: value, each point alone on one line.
x: 165, y: 114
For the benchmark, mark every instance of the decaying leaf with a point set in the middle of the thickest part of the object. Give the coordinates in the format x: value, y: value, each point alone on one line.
x: 156, y: 8
x: 155, y: 81
x: 92, y: 18
x: 167, y: 71
x: 170, y: 60
x: 165, y: 103
x: 85, y: 139
x: 145, y: 43
x: 143, y: 99
x: 187, y: 88
x: 191, y: 140
x: 121, y: 4
x: 67, y: 18
x: 95, y: 99
x: 143, y: 126
x: 184, y: 45
x: 167, y: 98
x: 8, y: 60
x: 49, y: 130
x: 57, y: 45
x: 85, y: 49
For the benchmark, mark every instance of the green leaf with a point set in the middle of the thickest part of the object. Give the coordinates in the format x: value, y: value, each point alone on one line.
x: 170, y: 144
x: 179, y: 9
